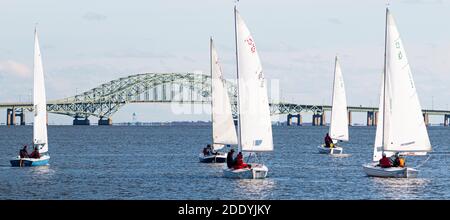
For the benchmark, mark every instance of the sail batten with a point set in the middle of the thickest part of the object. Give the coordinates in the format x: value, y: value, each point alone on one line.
x: 339, y: 116
x: 223, y: 128
x: 254, y: 115
x: 39, y: 101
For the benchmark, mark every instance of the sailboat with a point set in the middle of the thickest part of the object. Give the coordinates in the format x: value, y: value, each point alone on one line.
x: 223, y: 130
x: 401, y: 127
x: 40, y: 114
x: 254, y: 124
x: 339, y: 117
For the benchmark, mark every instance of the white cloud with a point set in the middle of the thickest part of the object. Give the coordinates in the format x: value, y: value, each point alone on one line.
x: 11, y: 67
x: 93, y: 16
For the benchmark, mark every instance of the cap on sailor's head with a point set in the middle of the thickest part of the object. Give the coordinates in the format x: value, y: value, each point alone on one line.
x: 383, y: 154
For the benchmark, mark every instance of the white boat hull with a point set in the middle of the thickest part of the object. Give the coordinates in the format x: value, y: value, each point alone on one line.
x: 326, y: 150
x: 213, y: 158
x: 257, y: 171
x: 372, y: 169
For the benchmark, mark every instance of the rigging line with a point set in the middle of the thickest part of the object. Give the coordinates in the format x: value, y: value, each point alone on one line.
x: 423, y: 163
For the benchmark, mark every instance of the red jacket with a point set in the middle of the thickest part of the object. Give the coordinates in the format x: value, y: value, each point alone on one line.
x: 239, y: 162
x: 385, y: 162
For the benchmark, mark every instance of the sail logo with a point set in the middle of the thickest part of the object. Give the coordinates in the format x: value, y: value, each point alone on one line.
x: 251, y: 43
x: 257, y: 142
x: 409, y: 143
x: 397, y: 45
x: 260, y: 78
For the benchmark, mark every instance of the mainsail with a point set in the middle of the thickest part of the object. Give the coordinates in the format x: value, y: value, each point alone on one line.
x: 223, y: 129
x: 404, y: 126
x: 378, y: 146
x: 339, y: 115
x: 254, y: 116
x: 39, y: 101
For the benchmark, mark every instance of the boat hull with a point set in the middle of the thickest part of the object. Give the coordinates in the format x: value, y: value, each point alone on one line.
x: 30, y: 162
x: 326, y: 150
x: 257, y: 171
x: 215, y: 158
x: 391, y: 172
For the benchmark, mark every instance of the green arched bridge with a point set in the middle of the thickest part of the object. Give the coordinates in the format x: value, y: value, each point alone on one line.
x: 106, y: 99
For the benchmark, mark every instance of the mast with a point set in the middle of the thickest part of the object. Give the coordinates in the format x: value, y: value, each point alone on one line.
x: 237, y: 79
x: 212, y: 95
x: 384, y: 80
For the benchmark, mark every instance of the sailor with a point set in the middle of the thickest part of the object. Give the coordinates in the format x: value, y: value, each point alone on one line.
x: 240, y: 162
x: 328, y: 140
x: 401, y: 162
x: 385, y: 162
x: 230, y: 161
x: 23, y: 153
x: 395, y: 160
x: 35, y: 153
x: 210, y: 150
x: 205, y: 151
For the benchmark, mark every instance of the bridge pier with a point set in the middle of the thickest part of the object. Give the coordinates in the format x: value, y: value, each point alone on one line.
x: 77, y: 121
x: 349, y: 118
x: 289, y: 119
x: 426, y: 119
x: 22, y: 116
x: 371, y: 118
x: 9, y: 117
x: 446, y: 120
x: 107, y: 121
x: 12, y: 113
x: 318, y: 119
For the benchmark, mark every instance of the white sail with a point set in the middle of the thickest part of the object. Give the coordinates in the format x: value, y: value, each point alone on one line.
x: 378, y: 146
x: 39, y: 101
x: 339, y: 115
x: 223, y: 129
x: 254, y: 115
x: 404, y: 128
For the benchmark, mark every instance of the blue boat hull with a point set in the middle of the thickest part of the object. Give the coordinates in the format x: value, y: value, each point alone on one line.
x: 29, y: 163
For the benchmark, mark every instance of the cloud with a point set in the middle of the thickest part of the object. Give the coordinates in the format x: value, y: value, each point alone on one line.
x: 92, y: 16
x: 9, y: 67
x: 334, y: 21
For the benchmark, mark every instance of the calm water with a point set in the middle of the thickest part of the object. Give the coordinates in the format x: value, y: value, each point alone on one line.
x: 161, y: 163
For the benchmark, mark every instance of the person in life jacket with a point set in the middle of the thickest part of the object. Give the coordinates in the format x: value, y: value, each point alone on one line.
x: 402, y: 162
x: 328, y: 141
x: 240, y: 162
x: 385, y: 162
x: 35, y: 153
x: 230, y: 160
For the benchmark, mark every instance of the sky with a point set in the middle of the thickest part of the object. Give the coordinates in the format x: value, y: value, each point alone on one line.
x: 87, y: 43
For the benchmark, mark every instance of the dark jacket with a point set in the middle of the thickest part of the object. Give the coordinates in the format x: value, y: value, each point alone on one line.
x: 230, y: 161
x: 328, y: 141
x: 23, y: 153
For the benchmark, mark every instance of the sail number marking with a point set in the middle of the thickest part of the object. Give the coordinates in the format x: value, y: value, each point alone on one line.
x: 251, y: 43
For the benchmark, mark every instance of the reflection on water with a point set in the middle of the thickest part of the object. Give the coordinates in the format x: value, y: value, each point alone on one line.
x: 255, y: 188
x: 400, y: 188
x: 46, y: 171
